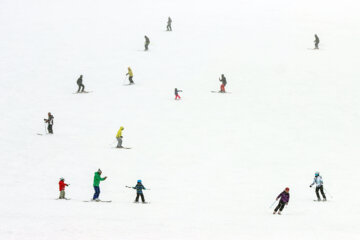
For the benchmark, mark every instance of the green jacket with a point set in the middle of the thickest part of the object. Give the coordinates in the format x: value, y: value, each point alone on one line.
x: 97, y: 179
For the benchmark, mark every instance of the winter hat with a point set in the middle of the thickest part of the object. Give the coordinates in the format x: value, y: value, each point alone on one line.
x: 287, y: 189
x: 317, y: 174
x: 139, y: 181
x: 99, y: 170
x: 62, y: 179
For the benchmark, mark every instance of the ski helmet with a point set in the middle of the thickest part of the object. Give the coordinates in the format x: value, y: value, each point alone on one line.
x: 139, y: 181
x: 317, y: 174
x: 287, y: 189
x: 62, y: 179
x: 99, y: 170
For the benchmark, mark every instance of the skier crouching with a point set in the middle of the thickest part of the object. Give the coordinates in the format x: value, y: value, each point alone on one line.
x: 62, y: 186
x: 284, y: 200
x: 139, y: 193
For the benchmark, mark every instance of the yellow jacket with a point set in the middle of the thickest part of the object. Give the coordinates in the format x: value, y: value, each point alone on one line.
x: 130, y: 73
x: 119, y: 133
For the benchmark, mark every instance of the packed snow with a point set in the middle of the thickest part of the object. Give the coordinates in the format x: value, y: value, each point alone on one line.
x: 214, y: 163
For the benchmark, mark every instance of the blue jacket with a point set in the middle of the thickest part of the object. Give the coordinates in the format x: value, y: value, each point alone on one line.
x: 139, y: 187
x: 318, y: 181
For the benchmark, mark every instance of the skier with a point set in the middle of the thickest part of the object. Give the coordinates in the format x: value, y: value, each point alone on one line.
x: 317, y: 41
x: 168, y: 27
x: 223, y: 83
x: 319, y: 186
x: 130, y: 73
x: 80, y: 84
x: 177, y: 94
x: 284, y: 200
x: 119, y: 137
x: 50, y: 122
x: 139, y: 193
x: 62, y: 185
x: 97, y: 179
x: 147, y: 42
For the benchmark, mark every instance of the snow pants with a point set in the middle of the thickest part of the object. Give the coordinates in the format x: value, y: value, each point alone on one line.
x: 168, y: 27
x: 81, y: 88
x: 222, y: 88
x: 62, y: 194
x: 119, y: 145
x: 50, y: 130
x: 97, y: 192
x: 147, y: 46
x: 130, y: 80
x: 142, y: 197
x: 321, y: 189
x: 177, y: 97
x: 316, y: 45
x: 280, y: 206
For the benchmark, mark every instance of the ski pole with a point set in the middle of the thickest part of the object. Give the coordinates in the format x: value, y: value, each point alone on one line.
x: 273, y: 203
x: 128, y: 187
x: 328, y: 193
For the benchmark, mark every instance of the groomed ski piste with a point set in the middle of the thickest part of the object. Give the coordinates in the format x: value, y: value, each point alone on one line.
x: 214, y: 162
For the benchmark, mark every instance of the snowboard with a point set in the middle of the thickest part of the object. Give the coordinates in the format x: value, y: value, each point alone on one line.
x: 106, y: 201
x: 219, y: 92
x: 82, y: 92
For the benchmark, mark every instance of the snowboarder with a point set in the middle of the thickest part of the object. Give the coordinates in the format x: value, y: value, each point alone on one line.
x: 319, y: 186
x: 177, y: 96
x: 168, y: 27
x: 317, y: 41
x: 80, y: 84
x: 97, y: 179
x: 223, y: 83
x: 284, y: 200
x: 147, y: 42
x: 50, y: 122
x: 119, y: 137
x: 139, y: 193
x: 62, y: 186
x: 130, y: 73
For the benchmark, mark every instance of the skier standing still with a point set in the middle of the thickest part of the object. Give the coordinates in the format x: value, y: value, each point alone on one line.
x: 139, y: 193
x: 317, y: 41
x: 131, y: 75
x: 50, y: 122
x: 119, y: 137
x: 177, y: 96
x: 284, y: 200
x: 147, y: 42
x: 96, y: 184
x: 168, y: 27
x: 223, y: 83
x: 80, y: 84
x: 62, y: 186
x: 319, y: 186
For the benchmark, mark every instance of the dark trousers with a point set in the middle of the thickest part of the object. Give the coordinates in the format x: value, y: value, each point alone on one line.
x: 50, y: 130
x: 130, y: 80
x: 82, y: 87
x: 280, y: 206
x: 142, y: 197
x: 147, y: 46
x: 168, y: 27
x: 321, y: 189
x: 316, y: 45
x: 97, y: 192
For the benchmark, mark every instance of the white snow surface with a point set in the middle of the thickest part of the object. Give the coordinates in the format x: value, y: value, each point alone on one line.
x: 214, y: 162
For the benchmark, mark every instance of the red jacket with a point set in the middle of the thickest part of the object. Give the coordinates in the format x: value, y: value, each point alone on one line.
x: 62, y: 185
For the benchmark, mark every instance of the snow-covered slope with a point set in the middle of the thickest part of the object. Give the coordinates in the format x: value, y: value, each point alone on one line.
x: 214, y: 162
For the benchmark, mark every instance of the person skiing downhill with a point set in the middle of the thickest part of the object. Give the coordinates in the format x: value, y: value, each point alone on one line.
x: 319, y: 186
x: 119, y: 137
x: 317, y: 41
x: 139, y: 193
x: 223, y: 83
x: 96, y: 184
x: 62, y: 186
x: 177, y: 96
x: 131, y: 75
x: 168, y: 27
x: 50, y: 122
x: 147, y: 42
x: 80, y: 84
x: 284, y: 200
